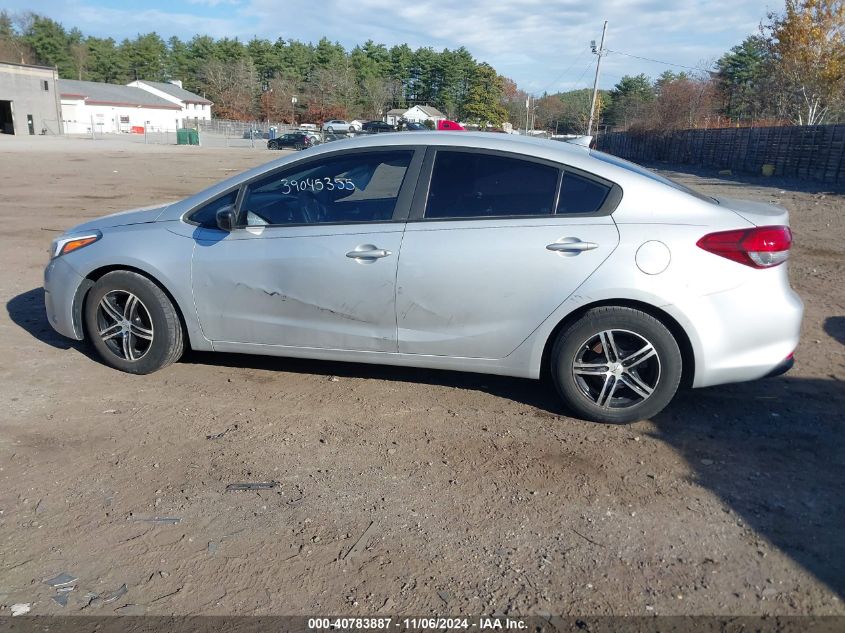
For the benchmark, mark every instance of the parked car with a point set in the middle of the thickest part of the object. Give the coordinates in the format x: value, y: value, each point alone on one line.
x: 377, y: 126
x: 255, y: 133
x: 412, y: 126
x: 338, y: 125
x: 308, y: 126
x: 519, y: 256
x: 446, y: 124
x: 293, y: 140
x: 314, y: 136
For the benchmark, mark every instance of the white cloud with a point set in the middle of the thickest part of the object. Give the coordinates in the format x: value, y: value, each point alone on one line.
x: 214, y: 3
x: 531, y: 41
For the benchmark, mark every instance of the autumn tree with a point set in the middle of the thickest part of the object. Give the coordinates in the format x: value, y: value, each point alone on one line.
x: 682, y: 102
x: 807, y: 48
x: 376, y: 94
x: 232, y: 86
x: 514, y: 100
x: 13, y: 47
x: 277, y: 99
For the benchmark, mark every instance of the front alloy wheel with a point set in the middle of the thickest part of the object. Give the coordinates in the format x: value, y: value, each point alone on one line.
x: 132, y: 323
x: 616, y: 365
x: 124, y: 325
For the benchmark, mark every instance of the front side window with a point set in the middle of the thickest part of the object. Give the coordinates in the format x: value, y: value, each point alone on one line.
x: 580, y: 195
x: 473, y: 185
x: 351, y: 188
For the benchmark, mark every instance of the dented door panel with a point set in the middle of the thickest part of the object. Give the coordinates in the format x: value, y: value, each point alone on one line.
x: 297, y: 286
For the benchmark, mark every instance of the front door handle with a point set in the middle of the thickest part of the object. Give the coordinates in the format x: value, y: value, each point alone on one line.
x: 571, y: 247
x: 368, y: 251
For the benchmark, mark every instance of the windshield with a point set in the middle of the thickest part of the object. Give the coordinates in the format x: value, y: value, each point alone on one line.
x: 642, y: 171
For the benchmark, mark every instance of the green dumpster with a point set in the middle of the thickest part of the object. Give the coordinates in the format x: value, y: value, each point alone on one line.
x: 193, y: 137
x: 182, y: 137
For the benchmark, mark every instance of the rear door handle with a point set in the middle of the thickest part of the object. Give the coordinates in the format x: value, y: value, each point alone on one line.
x: 368, y: 252
x: 571, y: 247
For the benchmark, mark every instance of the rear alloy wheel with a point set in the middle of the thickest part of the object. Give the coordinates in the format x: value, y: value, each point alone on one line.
x: 616, y: 365
x: 132, y: 324
x: 330, y: 129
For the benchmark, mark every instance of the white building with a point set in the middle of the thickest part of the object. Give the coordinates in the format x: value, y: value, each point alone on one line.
x: 110, y: 108
x: 421, y: 114
x: 193, y: 106
x: 394, y: 116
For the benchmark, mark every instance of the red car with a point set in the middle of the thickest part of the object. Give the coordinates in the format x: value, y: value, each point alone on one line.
x: 446, y: 124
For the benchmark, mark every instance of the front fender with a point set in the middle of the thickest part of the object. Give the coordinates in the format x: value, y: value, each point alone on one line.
x: 151, y: 250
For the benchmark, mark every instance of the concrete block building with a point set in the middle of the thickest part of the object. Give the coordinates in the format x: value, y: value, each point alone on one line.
x: 29, y: 100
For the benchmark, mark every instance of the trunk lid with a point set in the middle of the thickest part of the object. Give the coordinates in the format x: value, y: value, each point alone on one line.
x: 758, y: 213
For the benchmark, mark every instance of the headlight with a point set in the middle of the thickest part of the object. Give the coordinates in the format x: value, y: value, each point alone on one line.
x: 68, y: 244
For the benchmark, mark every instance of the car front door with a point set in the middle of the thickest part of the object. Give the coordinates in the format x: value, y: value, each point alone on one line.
x: 500, y: 241
x: 313, y: 264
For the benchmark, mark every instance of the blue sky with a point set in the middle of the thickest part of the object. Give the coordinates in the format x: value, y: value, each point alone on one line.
x: 541, y: 44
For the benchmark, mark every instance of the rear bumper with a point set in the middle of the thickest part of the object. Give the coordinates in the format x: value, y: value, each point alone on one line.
x: 745, y: 333
x: 61, y: 283
x: 781, y: 369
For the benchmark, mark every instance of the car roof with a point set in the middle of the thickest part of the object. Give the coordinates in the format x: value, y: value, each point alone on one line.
x: 576, y: 156
x: 541, y: 148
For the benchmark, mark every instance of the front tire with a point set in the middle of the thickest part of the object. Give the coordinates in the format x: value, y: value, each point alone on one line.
x: 616, y: 365
x: 132, y: 323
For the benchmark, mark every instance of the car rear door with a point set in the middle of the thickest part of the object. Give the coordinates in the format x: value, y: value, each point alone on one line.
x: 314, y: 264
x: 494, y: 244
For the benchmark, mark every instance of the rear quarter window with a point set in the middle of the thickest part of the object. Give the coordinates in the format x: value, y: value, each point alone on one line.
x: 579, y: 195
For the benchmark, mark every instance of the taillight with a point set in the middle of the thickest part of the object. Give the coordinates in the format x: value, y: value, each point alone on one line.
x: 761, y: 247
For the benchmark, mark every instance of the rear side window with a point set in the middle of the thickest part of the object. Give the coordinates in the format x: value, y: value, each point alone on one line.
x: 580, y: 195
x: 206, y: 216
x: 475, y: 185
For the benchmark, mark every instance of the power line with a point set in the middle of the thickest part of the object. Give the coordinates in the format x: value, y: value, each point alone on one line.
x: 658, y: 61
x: 581, y: 76
x: 568, y: 68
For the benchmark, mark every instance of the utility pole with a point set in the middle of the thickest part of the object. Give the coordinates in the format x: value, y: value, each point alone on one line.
x: 600, y: 52
x: 527, y: 112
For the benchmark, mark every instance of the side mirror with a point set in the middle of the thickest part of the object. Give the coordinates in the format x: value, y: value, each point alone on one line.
x: 226, y: 218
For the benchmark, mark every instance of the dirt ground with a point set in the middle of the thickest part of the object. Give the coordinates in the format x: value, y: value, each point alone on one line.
x: 401, y: 491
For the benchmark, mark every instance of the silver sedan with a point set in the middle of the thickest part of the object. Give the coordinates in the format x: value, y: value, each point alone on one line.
x: 475, y: 252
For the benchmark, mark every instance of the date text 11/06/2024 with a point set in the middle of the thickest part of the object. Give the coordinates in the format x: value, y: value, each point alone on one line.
x: 423, y: 623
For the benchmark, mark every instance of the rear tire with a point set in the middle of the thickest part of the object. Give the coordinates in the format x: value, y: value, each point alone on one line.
x: 616, y: 365
x: 132, y: 323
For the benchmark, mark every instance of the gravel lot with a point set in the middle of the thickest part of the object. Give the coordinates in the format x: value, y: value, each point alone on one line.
x: 402, y: 491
